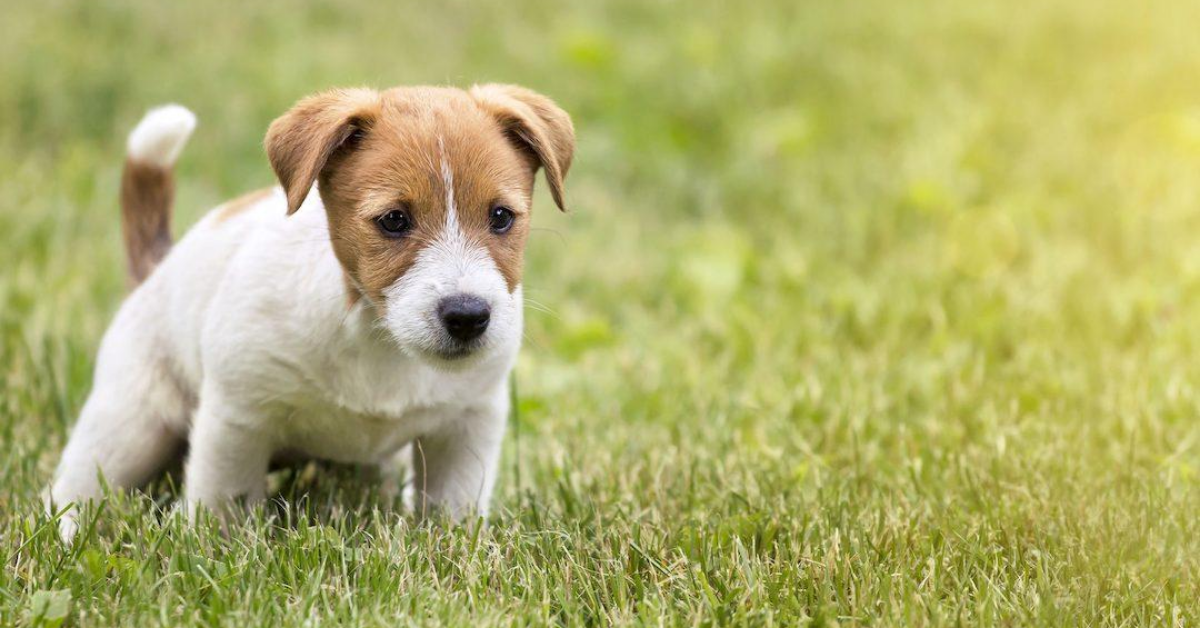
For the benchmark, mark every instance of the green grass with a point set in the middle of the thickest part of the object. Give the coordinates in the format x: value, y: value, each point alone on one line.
x: 866, y: 313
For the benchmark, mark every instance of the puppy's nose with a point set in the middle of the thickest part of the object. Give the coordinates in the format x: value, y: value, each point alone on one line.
x: 464, y: 316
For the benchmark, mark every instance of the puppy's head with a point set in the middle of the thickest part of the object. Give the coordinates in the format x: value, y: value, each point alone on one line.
x: 428, y: 193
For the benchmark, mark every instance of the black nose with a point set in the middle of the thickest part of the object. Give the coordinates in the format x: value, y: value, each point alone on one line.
x: 465, y: 317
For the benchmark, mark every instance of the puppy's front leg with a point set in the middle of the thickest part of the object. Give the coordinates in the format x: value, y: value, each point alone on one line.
x: 454, y: 468
x: 230, y: 452
x: 396, y: 473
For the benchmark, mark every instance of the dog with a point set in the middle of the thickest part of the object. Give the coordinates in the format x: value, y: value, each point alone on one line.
x: 366, y: 309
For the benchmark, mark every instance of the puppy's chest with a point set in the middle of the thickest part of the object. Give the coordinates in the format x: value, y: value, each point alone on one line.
x: 361, y: 411
x: 331, y: 432
x: 385, y: 389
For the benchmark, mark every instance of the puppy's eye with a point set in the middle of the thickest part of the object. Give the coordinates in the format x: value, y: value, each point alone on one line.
x: 501, y: 219
x: 395, y: 223
x: 355, y: 138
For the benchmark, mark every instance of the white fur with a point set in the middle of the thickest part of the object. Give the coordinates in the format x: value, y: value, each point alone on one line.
x: 242, y: 343
x: 451, y: 226
x: 160, y: 136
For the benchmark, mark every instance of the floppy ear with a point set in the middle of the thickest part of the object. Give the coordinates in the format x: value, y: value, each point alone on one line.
x: 301, y: 141
x: 536, y: 124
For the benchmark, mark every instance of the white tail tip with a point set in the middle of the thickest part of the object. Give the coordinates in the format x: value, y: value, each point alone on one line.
x: 160, y: 136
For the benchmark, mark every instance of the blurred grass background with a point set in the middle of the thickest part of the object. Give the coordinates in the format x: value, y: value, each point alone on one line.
x: 865, y: 313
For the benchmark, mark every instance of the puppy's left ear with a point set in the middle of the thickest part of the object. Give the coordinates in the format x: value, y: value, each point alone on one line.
x: 301, y: 142
x: 537, y: 125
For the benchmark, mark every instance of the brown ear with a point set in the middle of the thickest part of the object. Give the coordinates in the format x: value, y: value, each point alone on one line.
x: 536, y: 123
x: 301, y: 141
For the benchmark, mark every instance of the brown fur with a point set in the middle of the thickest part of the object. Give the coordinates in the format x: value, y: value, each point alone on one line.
x: 373, y: 152
x: 534, y: 121
x: 301, y: 141
x: 147, y: 192
x: 241, y: 204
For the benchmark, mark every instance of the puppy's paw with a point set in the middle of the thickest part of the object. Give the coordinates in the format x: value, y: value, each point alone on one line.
x: 68, y: 518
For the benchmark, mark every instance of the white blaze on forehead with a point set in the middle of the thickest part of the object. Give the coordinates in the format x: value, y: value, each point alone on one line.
x: 448, y: 184
x: 460, y: 260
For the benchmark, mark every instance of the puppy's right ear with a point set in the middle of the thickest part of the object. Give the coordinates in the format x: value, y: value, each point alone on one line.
x: 301, y: 141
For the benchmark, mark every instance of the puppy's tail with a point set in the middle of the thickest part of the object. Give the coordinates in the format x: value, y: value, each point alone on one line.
x: 148, y: 186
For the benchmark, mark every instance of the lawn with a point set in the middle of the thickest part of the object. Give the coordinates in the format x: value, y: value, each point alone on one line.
x: 864, y: 313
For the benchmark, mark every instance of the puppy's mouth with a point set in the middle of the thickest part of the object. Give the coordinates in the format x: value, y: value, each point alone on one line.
x: 455, y: 354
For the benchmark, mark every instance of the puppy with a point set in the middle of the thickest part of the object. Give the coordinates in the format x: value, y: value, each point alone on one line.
x: 371, y: 301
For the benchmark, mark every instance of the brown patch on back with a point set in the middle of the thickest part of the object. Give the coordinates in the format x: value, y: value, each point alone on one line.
x: 240, y: 204
x: 147, y: 192
x: 374, y: 152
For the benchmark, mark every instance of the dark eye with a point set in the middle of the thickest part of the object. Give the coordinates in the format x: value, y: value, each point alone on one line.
x: 354, y: 139
x: 501, y: 219
x: 395, y: 223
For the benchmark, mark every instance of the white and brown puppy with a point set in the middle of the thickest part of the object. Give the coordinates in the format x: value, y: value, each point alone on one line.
x: 386, y: 311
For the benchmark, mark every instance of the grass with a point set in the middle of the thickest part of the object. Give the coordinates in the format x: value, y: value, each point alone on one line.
x: 866, y: 313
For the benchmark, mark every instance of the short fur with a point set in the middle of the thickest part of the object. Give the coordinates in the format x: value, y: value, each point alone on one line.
x: 147, y: 193
x: 319, y: 334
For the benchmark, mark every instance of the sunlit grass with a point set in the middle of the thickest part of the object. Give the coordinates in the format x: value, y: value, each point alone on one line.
x: 864, y: 313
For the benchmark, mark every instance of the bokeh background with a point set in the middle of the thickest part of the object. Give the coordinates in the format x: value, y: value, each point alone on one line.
x: 864, y: 313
